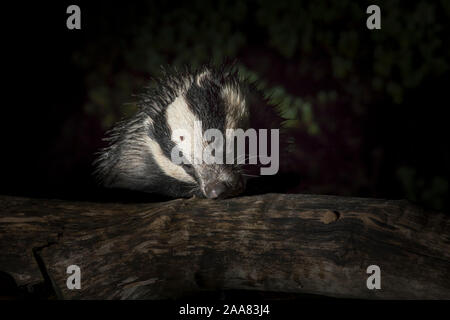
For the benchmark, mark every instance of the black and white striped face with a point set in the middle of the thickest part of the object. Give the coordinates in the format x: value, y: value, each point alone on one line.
x: 206, y: 101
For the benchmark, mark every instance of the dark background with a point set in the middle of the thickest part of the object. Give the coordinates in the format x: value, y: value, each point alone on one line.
x: 364, y: 110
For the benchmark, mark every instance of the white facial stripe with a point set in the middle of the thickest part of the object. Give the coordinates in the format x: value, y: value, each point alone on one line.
x: 236, y: 107
x: 162, y: 161
x: 180, y: 117
x: 167, y: 166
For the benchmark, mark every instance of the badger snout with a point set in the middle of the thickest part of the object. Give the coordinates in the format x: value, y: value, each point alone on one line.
x: 215, y: 189
x: 218, y: 189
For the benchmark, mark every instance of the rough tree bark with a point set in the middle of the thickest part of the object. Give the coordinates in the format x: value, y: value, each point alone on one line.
x: 274, y: 242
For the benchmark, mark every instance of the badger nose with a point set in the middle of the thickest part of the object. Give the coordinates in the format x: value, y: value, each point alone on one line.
x: 215, y: 189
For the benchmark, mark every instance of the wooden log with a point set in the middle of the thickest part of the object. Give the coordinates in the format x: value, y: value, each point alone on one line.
x: 274, y: 242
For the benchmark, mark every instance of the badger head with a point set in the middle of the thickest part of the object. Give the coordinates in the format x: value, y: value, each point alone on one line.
x: 162, y: 148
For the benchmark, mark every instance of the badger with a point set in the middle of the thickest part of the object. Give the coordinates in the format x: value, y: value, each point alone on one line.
x: 138, y: 152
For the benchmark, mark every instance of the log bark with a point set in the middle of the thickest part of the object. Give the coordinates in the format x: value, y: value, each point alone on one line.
x: 275, y: 242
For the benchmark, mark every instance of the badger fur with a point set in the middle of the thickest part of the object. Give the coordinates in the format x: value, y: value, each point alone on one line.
x: 138, y: 154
